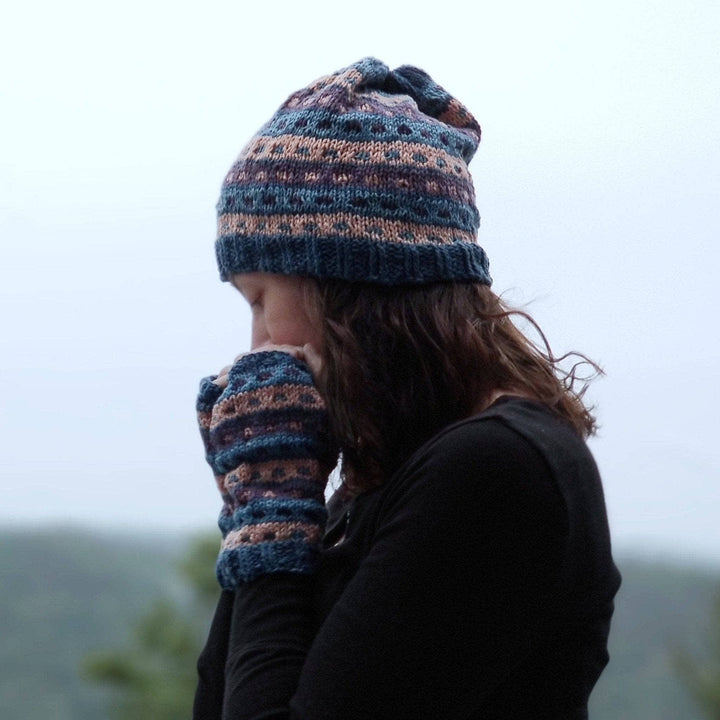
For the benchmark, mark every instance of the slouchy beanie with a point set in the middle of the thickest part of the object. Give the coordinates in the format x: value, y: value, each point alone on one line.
x: 362, y: 176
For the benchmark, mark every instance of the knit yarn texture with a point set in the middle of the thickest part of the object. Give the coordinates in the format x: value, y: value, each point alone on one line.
x: 267, y: 441
x: 362, y: 176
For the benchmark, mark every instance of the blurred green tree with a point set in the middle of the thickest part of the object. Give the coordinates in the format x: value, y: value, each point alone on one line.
x: 700, y: 670
x: 154, y: 677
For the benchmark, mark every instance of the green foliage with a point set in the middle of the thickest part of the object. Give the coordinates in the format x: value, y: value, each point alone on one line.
x: 700, y: 670
x: 154, y: 678
x: 198, y: 569
x: 65, y: 591
x: 658, y: 602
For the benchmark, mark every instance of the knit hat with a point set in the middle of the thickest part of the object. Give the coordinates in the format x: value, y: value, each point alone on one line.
x: 362, y: 176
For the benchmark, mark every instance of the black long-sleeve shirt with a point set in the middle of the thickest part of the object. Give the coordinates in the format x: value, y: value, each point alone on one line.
x: 476, y: 583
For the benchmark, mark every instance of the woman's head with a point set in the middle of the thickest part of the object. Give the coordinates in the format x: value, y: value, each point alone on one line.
x: 352, y: 215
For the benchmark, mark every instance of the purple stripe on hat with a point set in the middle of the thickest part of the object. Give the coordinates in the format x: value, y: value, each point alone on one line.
x: 425, y: 178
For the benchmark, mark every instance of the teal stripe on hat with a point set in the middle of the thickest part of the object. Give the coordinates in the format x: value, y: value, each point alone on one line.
x: 371, y: 127
x: 352, y: 259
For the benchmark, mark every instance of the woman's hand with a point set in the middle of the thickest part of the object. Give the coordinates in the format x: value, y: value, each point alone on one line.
x: 266, y: 434
x: 306, y: 353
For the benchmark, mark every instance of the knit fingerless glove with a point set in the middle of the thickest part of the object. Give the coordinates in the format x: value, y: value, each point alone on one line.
x: 266, y: 439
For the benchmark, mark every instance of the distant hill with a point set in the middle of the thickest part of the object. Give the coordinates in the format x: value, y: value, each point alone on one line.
x: 65, y: 592
x: 68, y: 591
x: 660, y: 604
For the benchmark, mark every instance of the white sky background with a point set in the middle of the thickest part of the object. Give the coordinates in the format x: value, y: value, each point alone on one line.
x: 597, y: 179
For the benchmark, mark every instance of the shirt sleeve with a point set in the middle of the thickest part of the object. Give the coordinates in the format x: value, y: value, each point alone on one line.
x: 458, y: 588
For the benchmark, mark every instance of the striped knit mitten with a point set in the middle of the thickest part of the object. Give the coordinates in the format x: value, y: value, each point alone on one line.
x: 266, y: 439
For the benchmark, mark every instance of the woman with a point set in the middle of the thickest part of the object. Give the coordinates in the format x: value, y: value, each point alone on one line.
x: 462, y: 569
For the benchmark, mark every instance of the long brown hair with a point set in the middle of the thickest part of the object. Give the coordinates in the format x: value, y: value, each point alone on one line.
x: 401, y: 363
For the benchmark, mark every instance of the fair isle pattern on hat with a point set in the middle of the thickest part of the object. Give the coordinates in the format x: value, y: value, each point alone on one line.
x: 362, y: 176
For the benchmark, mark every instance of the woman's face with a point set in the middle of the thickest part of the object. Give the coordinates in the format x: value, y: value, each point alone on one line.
x: 280, y: 314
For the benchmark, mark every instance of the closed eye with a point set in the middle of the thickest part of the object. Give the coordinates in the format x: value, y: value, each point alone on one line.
x: 252, y: 297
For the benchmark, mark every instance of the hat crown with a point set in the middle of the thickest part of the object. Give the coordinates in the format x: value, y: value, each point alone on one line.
x: 344, y: 91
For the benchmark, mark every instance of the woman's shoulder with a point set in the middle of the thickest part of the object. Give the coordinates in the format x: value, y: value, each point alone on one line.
x: 513, y: 430
x: 516, y: 452
x: 514, y: 477
x: 513, y: 421
x: 475, y: 458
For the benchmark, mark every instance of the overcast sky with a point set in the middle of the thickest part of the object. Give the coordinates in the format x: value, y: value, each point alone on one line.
x: 597, y: 180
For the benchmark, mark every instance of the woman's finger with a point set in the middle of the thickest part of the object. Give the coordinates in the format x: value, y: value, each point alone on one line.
x: 313, y: 358
x: 294, y: 350
x: 222, y: 379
